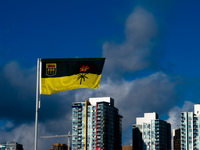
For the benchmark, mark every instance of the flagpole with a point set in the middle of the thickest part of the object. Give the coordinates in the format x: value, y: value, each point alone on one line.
x: 37, y: 103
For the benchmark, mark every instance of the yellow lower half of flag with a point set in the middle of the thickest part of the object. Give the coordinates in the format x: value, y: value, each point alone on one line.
x: 57, y: 84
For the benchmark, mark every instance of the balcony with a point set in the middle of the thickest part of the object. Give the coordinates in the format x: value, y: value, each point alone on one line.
x: 183, y: 137
x: 183, y: 145
x: 182, y: 116
x: 183, y: 130
x: 98, y: 118
x: 194, y: 119
x: 183, y: 141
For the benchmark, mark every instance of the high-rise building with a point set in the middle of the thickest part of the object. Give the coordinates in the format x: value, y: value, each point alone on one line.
x: 177, y: 139
x: 10, y: 146
x: 96, y: 125
x: 150, y: 132
x: 190, y: 129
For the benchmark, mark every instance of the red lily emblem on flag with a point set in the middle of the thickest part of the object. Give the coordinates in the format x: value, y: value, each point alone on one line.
x: 84, y: 68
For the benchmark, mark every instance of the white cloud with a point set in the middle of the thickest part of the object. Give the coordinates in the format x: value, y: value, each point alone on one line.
x: 136, y: 52
x: 22, y: 79
x: 154, y: 93
x: 8, y: 125
x: 133, y: 98
x: 25, y: 133
x: 149, y: 94
x: 175, y: 113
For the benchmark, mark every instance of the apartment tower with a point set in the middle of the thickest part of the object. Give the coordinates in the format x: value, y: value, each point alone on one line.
x: 151, y: 133
x: 190, y: 129
x: 96, y: 125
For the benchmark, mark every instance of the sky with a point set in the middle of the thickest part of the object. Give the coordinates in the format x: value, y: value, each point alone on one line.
x: 152, y: 56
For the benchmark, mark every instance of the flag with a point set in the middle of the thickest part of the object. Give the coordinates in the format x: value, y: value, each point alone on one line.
x: 65, y: 74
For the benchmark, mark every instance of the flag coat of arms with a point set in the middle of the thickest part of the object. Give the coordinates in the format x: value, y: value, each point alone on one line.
x: 65, y: 74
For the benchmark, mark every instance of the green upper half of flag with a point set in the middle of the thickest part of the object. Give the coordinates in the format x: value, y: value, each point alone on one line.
x: 70, y: 66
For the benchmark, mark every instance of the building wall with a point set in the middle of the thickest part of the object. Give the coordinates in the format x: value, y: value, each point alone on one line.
x: 59, y: 146
x: 11, y: 146
x: 177, y: 139
x: 147, y: 118
x: 137, y: 142
x: 151, y: 133
x: 104, y: 127
x: 190, y: 133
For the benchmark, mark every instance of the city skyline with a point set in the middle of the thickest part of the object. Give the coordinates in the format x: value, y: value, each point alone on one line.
x: 151, y: 50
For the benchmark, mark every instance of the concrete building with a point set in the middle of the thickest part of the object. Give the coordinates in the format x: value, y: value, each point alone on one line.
x: 150, y: 132
x: 96, y: 125
x: 59, y: 146
x: 10, y: 146
x: 177, y: 139
x: 190, y: 129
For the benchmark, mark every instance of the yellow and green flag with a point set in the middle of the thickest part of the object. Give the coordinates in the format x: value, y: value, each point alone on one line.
x: 65, y: 74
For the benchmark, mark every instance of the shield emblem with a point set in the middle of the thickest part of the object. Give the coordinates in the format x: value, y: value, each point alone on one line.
x: 51, y: 69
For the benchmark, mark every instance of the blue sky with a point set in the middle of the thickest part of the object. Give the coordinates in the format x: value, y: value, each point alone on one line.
x: 152, y: 57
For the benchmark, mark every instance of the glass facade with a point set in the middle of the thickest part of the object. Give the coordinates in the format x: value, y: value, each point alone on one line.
x: 104, y: 127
